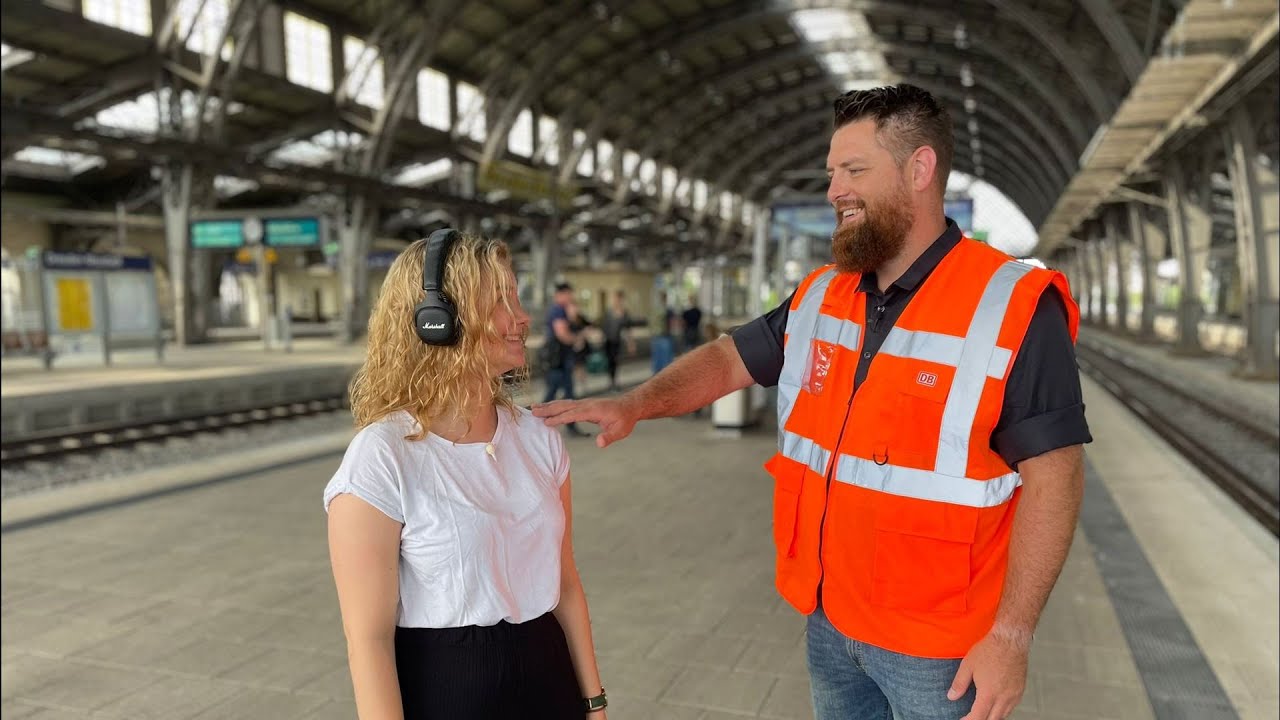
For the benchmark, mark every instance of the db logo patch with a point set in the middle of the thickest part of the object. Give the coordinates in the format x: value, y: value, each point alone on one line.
x: 927, y: 379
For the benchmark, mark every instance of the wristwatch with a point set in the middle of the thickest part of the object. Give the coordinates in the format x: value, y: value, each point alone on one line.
x: 597, y: 703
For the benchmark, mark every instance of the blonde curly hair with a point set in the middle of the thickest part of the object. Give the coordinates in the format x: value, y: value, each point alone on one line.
x: 400, y: 372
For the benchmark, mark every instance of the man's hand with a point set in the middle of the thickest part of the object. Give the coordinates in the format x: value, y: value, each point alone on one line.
x: 997, y: 665
x: 616, y: 416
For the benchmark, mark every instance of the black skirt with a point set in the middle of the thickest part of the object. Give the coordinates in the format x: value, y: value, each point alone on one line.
x: 500, y: 672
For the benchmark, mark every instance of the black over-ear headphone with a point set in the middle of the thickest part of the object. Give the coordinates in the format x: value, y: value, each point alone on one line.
x: 436, y: 318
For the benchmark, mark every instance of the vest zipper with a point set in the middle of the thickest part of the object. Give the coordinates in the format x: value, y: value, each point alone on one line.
x: 831, y: 470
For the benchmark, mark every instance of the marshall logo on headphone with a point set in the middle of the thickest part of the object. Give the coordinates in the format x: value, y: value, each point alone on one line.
x: 433, y: 326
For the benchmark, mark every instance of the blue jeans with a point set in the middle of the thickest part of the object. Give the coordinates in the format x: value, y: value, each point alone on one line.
x: 558, y: 379
x: 851, y: 680
x: 662, y: 351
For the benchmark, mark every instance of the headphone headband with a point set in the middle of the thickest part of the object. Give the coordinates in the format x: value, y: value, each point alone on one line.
x: 438, y: 245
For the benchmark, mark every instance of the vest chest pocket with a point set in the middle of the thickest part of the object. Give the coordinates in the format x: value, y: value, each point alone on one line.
x: 916, y: 411
x: 922, y: 556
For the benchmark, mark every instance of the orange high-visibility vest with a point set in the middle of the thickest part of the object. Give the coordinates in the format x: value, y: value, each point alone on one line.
x: 892, y: 499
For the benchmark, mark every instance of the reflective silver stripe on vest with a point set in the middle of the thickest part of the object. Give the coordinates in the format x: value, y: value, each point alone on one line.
x: 975, y: 360
x: 805, y: 451
x: 938, y: 348
x: 800, y: 322
x: 926, y: 485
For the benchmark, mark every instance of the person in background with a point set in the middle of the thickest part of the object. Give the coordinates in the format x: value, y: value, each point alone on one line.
x: 691, y: 324
x: 929, y: 468
x: 617, y: 334
x: 447, y: 487
x: 662, y: 322
x: 582, y: 349
x: 562, y: 343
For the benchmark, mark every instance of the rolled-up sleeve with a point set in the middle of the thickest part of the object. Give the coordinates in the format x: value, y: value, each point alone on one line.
x: 1043, y: 405
x: 760, y: 344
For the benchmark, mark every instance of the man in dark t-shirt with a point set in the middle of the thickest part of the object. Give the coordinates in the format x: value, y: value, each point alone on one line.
x: 560, y: 339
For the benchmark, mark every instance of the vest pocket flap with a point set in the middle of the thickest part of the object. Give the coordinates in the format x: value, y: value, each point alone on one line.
x: 927, y: 384
x: 787, y: 474
x: 939, y: 521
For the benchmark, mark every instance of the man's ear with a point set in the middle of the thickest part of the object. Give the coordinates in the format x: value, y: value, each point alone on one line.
x: 924, y: 167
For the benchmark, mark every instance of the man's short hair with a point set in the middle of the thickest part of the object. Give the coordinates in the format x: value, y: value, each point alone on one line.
x: 907, y: 118
x: 563, y: 286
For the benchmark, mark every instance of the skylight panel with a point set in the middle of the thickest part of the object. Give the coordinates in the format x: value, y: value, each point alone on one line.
x: 364, y: 72
x: 202, y: 22
x: 520, y: 139
x: 73, y: 163
x: 852, y: 69
x: 307, y: 61
x: 433, y: 98
x: 142, y: 114
x: 419, y: 174
x: 320, y: 149
x: 470, y: 112
x: 227, y: 186
x: 586, y: 160
x: 131, y: 15
x: 11, y: 57
x: 549, y: 139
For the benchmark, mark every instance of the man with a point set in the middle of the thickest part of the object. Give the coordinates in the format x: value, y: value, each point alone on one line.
x: 929, y: 469
x: 691, y: 321
x: 561, y: 339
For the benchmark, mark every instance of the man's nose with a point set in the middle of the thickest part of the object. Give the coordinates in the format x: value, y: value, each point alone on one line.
x: 834, y: 191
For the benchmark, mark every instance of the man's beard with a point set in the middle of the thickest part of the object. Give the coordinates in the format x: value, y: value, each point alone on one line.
x: 875, y: 238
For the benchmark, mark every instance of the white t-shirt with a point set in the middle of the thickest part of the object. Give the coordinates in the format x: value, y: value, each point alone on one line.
x: 483, y: 522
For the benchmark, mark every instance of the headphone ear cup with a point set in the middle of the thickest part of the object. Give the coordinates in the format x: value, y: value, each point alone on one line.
x: 436, y: 322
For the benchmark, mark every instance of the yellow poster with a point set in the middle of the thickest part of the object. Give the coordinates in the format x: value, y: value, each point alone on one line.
x: 75, y: 304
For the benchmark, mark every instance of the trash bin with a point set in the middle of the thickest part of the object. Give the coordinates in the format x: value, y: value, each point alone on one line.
x: 733, y: 411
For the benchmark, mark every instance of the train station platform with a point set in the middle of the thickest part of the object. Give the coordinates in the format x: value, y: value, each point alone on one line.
x: 214, y: 599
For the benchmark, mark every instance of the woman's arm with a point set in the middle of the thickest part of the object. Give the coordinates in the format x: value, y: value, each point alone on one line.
x: 572, y: 611
x: 364, y: 549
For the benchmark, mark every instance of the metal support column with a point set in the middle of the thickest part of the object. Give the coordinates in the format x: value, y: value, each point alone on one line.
x: 1120, y: 257
x: 541, y: 279
x: 1087, y: 275
x: 1143, y: 233
x: 1186, y: 223
x: 1102, y: 268
x: 355, y: 237
x: 759, y: 256
x: 176, y: 203
x: 1257, y: 214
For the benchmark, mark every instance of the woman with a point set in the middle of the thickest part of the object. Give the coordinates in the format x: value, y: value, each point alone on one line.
x: 450, y: 516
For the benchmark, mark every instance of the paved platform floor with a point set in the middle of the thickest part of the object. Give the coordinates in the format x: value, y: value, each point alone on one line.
x: 217, y: 602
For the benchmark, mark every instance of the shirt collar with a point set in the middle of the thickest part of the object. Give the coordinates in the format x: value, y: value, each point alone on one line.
x: 919, y: 269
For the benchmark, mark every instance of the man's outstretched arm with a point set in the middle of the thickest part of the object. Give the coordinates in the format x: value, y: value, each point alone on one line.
x: 693, y: 381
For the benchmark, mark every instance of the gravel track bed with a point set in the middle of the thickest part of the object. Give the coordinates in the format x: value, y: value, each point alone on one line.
x: 20, y: 478
x: 1242, y: 450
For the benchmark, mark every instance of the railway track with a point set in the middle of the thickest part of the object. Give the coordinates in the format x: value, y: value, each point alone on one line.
x: 55, y: 445
x: 1238, y: 453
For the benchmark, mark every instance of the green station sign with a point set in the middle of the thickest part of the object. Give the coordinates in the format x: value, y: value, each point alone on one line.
x: 292, y: 232
x: 222, y: 234
x: 216, y: 234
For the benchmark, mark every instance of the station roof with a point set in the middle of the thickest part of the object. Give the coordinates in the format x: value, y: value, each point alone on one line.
x: 733, y: 93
